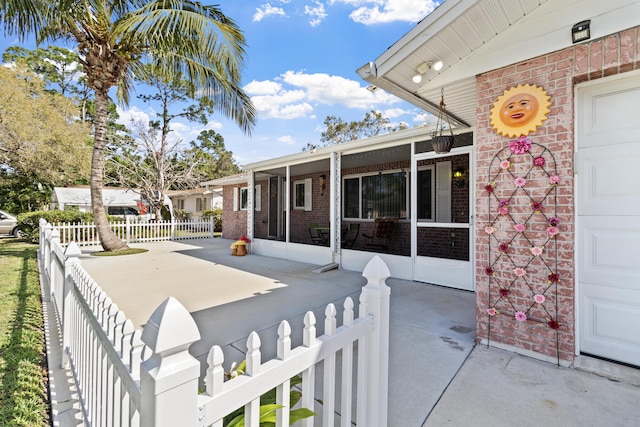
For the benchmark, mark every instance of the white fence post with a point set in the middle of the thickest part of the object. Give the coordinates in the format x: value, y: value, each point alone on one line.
x: 127, y: 229
x: 169, y: 379
x: 377, y: 295
x: 55, y: 273
x: 71, y: 255
x: 44, y: 258
x: 42, y: 224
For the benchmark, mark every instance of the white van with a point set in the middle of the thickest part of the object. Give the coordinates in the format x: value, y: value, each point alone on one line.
x: 9, y: 224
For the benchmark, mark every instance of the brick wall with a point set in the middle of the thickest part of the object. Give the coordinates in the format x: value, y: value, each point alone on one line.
x: 234, y: 223
x: 320, y: 205
x: 557, y: 73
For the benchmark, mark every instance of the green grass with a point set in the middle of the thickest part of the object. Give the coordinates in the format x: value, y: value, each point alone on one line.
x: 23, y: 375
x: 130, y: 251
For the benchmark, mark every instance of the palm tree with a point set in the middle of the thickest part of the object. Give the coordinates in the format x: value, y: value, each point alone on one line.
x: 115, y: 38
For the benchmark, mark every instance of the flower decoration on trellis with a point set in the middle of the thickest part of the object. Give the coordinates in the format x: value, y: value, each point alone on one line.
x: 522, y: 228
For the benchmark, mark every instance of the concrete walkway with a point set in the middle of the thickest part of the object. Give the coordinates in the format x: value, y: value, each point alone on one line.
x: 431, y: 334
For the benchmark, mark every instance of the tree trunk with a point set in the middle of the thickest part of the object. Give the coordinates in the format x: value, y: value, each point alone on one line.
x: 108, y: 239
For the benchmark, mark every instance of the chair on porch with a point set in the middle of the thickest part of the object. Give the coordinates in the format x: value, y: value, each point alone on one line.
x: 382, y: 233
x: 317, y: 238
x: 350, y: 235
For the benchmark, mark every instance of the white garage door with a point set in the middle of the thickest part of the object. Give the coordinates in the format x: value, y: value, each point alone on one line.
x: 608, y: 227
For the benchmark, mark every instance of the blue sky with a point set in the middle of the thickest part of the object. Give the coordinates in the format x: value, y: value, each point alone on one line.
x: 300, y: 68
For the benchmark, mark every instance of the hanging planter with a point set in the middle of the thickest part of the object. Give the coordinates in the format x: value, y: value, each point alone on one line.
x: 442, y: 144
x: 440, y: 141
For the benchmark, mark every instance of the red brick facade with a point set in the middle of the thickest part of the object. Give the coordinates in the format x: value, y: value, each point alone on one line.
x: 234, y: 223
x: 557, y: 73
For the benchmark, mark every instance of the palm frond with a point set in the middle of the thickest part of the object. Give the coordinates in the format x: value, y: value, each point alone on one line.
x: 22, y: 17
x: 198, y: 42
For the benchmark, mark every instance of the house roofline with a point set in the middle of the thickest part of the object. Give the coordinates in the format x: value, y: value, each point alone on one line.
x: 416, y: 134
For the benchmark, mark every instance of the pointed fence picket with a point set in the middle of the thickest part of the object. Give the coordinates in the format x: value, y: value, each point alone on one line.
x: 127, y: 377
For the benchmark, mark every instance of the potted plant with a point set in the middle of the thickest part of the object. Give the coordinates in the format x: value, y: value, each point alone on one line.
x: 239, y: 247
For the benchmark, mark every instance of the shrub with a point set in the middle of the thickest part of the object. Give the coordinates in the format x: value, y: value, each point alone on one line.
x: 216, y: 214
x: 182, y: 215
x: 28, y: 222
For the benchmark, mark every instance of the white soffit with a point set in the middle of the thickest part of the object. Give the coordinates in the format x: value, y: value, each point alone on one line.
x: 475, y: 36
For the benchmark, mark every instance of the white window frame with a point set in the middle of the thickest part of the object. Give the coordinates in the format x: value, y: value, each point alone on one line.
x: 257, y: 200
x: 386, y: 172
x: 202, y: 203
x: 443, y: 191
x: 433, y: 192
x: 306, y: 183
x: 244, y: 190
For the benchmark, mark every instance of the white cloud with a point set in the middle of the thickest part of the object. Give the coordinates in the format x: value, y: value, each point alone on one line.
x: 294, y: 95
x: 286, y: 139
x: 425, y: 118
x: 183, y: 132
x: 394, y: 112
x: 295, y: 111
x: 337, y: 90
x: 278, y: 103
x: 316, y: 13
x: 187, y: 131
x: 132, y: 115
x: 265, y: 87
x: 370, y: 12
x: 268, y: 10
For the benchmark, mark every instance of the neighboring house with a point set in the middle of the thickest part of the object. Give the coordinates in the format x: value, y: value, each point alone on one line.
x: 545, y: 234
x: 117, y: 201
x: 196, y: 200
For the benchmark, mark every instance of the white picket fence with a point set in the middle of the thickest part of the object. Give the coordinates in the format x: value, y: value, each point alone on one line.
x: 147, y: 377
x: 132, y: 231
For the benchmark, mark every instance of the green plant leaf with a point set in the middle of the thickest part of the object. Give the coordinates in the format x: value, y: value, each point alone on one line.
x: 296, y: 415
x: 267, y: 415
x: 294, y: 397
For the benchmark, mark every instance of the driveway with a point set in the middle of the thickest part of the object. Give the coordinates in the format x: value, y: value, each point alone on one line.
x: 432, y: 329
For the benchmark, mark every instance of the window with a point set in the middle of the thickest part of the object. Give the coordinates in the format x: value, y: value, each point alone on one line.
x: 121, y: 210
x: 352, y: 198
x: 201, y: 204
x: 426, y: 193
x: 382, y: 195
x: 302, y: 194
x: 244, y: 198
x: 180, y: 203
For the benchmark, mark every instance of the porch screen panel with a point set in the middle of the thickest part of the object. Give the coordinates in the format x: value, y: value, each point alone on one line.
x: 384, y: 195
x: 351, y: 196
x: 448, y: 243
x: 425, y: 195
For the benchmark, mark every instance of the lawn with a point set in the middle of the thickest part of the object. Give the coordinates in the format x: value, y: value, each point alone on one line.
x: 23, y: 374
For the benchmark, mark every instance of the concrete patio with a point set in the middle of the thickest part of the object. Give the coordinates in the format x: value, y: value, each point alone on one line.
x: 433, y: 380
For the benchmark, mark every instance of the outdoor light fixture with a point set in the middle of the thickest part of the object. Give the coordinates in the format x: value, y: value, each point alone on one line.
x: 322, y: 179
x: 581, y: 31
x: 459, y: 178
x: 424, y: 67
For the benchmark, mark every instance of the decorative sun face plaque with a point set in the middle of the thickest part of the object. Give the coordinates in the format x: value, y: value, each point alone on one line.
x: 520, y: 110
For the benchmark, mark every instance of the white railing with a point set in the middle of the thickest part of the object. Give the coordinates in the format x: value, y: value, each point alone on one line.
x: 136, y: 231
x: 128, y: 377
